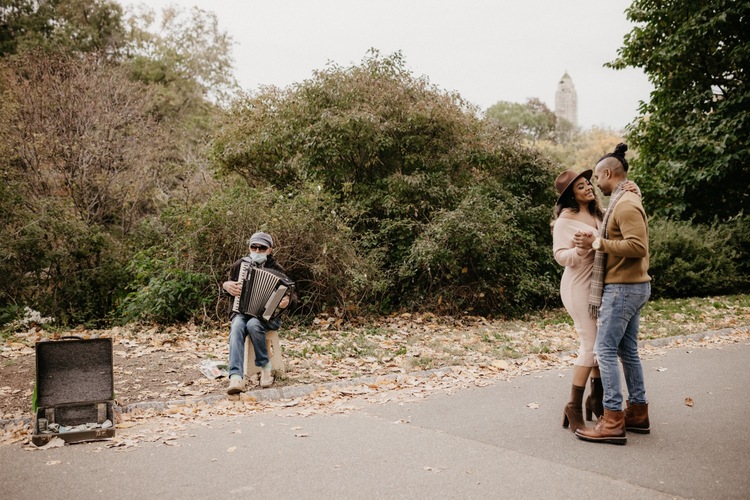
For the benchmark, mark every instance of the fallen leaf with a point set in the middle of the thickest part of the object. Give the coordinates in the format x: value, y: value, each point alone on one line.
x: 125, y: 443
x: 500, y: 364
x: 189, y: 392
x: 688, y: 401
x: 55, y: 442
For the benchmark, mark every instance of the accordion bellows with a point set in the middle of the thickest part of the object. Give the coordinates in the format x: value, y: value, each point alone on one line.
x: 262, y: 291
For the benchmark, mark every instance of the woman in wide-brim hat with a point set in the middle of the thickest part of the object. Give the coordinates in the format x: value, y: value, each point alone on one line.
x: 578, y: 211
x: 566, y: 195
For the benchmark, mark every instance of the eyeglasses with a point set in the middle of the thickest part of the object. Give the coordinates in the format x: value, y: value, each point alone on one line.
x: 260, y: 248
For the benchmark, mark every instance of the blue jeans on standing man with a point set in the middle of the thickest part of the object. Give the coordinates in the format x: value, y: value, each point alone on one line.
x: 617, y: 335
x: 242, y: 326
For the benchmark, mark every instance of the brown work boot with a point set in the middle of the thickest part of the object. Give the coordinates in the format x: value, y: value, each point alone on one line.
x: 609, y: 429
x: 636, y: 418
x: 573, y: 413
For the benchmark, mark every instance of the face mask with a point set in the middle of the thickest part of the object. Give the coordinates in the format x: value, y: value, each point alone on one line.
x: 258, y: 258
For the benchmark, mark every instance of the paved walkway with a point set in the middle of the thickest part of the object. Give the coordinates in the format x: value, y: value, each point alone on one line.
x: 476, y: 443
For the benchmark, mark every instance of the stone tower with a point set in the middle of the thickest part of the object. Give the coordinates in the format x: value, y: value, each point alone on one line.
x: 566, y: 101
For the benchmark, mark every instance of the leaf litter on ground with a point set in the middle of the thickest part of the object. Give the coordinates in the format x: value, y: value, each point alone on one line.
x: 402, y: 357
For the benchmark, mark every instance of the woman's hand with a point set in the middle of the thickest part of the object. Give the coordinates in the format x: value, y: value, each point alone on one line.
x: 583, y: 239
x: 632, y: 187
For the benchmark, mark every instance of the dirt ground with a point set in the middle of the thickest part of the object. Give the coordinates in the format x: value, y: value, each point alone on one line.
x: 154, y: 376
x: 162, y: 364
x: 148, y: 365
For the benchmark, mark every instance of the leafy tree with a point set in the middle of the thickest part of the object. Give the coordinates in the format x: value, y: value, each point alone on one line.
x: 81, y: 157
x: 694, y: 134
x: 92, y: 141
x: 186, y: 57
x: 583, y: 149
x: 80, y: 130
x: 379, y: 139
x: 533, y: 119
x: 401, y: 160
x: 59, y: 25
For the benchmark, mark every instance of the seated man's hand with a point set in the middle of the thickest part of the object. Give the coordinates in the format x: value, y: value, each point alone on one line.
x: 284, y: 302
x: 233, y: 288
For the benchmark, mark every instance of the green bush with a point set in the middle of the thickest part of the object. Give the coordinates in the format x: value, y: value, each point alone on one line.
x: 59, y: 266
x: 484, y: 257
x: 406, y: 165
x: 163, y: 292
x: 696, y: 260
x: 193, y: 247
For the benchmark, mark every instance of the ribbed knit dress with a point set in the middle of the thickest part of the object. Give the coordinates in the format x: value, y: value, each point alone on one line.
x: 575, y: 284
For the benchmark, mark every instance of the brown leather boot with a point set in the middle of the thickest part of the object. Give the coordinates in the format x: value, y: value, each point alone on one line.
x: 594, y: 400
x: 636, y: 418
x: 573, y: 414
x: 609, y: 429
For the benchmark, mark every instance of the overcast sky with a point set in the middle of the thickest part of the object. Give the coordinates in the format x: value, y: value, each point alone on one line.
x: 486, y: 50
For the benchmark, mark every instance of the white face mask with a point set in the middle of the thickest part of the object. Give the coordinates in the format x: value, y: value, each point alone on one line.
x: 258, y: 258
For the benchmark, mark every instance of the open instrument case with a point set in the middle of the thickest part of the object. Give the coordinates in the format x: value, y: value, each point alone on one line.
x: 74, y: 392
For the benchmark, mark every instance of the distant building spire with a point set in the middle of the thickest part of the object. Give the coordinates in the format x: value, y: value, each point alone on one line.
x: 566, y: 101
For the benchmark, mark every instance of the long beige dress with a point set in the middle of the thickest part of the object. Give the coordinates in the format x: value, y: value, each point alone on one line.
x: 575, y: 284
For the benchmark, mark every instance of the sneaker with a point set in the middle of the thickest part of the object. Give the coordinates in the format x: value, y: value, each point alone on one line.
x: 236, y: 385
x: 266, y: 376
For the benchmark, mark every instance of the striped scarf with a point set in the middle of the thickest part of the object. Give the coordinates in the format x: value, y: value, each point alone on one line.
x: 600, y: 258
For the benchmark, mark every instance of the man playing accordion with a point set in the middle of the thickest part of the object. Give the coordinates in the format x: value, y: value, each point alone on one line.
x: 246, y: 324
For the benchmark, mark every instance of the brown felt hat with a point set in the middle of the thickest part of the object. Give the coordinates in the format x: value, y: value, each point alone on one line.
x: 566, y: 179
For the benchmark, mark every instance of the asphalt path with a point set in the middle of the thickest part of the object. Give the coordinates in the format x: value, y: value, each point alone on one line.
x: 504, y: 440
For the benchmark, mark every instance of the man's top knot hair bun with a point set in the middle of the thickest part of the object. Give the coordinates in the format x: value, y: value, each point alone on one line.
x: 619, y: 155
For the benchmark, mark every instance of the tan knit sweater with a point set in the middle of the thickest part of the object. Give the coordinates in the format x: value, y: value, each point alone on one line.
x: 626, y: 245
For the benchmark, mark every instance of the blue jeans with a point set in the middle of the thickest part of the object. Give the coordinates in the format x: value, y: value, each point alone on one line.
x: 617, y: 335
x: 242, y: 326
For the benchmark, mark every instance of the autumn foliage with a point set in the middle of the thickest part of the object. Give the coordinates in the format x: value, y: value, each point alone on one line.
x: 133, y: 176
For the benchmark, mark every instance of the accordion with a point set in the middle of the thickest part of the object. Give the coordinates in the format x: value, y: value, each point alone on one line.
x: 262, y: 291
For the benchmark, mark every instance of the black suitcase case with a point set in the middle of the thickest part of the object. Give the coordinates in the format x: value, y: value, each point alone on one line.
x: 74, y: 392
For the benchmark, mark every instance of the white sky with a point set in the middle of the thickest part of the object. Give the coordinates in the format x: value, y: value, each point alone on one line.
x: 486, y: 50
